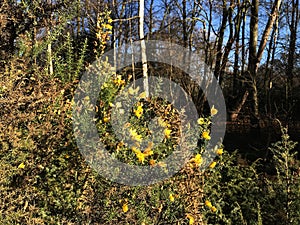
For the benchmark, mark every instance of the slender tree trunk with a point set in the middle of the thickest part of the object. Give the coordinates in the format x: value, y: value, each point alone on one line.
x: 253, y: 39
x: 236, y: 51
x: 268, y: 29
x: 252, y: 62
x: 143, y: 47
x: 293, y: 26
x: 132, y: 53
x: 244, y: 12
x: 269, y: 65
x: 151, y: 19
x: 220, y: 41
x: 228, y: 44
x: 184, y: 25
x: 255, y: 56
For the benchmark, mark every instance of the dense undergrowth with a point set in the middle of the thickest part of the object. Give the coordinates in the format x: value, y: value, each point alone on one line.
x: 45, y: 180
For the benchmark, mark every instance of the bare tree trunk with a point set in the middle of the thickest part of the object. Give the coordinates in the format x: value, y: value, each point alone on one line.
x: 206, y: 39
x: 228, y: 44
x: 237, y: 50
x: 293, y: 26
x: 243, y: 40
x: 132, y: 53
x: 268, y: 28
x: 143, y: 47
x: 151, y: 19
x: 184, y: 25
x: 220, y: 41
x: 255, y: 56
x: 252, y: 62
x: 269, y: 66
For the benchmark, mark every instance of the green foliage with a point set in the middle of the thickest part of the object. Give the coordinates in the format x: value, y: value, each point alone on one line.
x: 234, y: 190
x: 45, y: 180
x: 284, y: 189
x: 244, y: 194
x: 68, y: 64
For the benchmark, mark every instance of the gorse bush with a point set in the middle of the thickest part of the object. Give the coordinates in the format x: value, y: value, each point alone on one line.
x: 283, y: 189
x: 244, y: 194
x: 45, y: 180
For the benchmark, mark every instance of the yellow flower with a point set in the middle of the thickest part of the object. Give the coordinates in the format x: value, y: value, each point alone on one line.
x: 105, y: 119
x: 171, y: 197
x: 219, y: 151
x: 208, y: 204
x: 21, y: 166
x: 167, y: 133
x: 213, y: 209
x: 198, y: 159
x: 135, y: 135
x: 205, y: 135
x: 107, y: 26
x: 140, y: 156
x: 212, y: 165
x: 125, y: 207
x: 139, y: 111
x: 213, y: 111
x: 191, y: 219
x: 201, y: 121
x: 118, y: 81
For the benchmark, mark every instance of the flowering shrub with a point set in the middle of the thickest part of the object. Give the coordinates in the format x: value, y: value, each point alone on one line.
x: 45, y: 180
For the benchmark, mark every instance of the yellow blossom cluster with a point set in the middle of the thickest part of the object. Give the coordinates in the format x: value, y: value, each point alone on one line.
x: 21, y: 166
x: 103, y: 30
x: 138, y: 111
x: 209, y: 205
x: 134, y: 135
x: 167, y: 132
x: 219, y: 151
x: 106, y: 119
x: 197, y: 160
x: 171, y: 197
x: 119, y: 81
x: 201, y: 121
x: 191, y: 219
x: 142, y: 155
x: 205, y: 135
x: 125, y: 207
x: 212, y: 165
